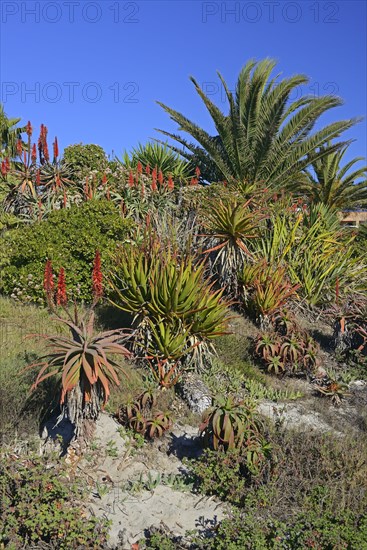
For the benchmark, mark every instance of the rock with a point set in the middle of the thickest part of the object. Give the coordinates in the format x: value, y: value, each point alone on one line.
x: 195, y: 393
x: 358, y: 384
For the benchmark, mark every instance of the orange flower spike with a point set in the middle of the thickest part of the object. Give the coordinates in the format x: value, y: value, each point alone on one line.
x: 19, y: 147
x: 171, y: 184
x: 56, y: 149
x: 104, y: 179
x: 131, y: 179
x: 34, y: 154
x: 160, y: 177
x: 197, y: 172
x: 29, y: 129
x: 139, y: 168
x: 61, y: 295
x: 97, y: 277
x: 147, y: 170
x: 48, y: 282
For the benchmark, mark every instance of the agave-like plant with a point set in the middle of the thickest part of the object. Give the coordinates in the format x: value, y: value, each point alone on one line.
x: 85, y: 369
x: 265, y: 138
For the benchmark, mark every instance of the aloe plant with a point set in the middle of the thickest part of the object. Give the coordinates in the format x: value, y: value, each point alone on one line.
x: 232, y: 424
x: 83, y: 365
x: 267, y: 288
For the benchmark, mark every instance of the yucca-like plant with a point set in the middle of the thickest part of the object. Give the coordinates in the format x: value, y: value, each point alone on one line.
x: 175, y: 309
x: 265, y: 138
x: 85, y: 367
x: 315, y: 251
x: 229, y: 225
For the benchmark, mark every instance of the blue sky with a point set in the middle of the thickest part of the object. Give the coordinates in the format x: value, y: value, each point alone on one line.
x: 92, y: 71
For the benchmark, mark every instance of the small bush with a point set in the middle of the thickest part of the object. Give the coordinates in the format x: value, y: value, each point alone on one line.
x: 39, y: 504
x: 69, y: 237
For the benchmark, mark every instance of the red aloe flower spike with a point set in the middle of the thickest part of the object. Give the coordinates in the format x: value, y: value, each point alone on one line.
x: 154, y: 184
x: 56, y: 149
x: 7, y: 163
x: 131, y: 179
x: 194, y: 181
x: 104, y: 179
x: 160, y: 177
x: 171, y: 184
x: 29, y: 129
x: 139, y: 168
x: 3, y: 168
x: 197, y: 171
x: 154, y: 173
x: 48, y: 282
x: 19, y: 147
x: 34, y: 154
x: 61, y: 296
x: 225, y: 183
x: 147, y: 170
x: 45, y: 152
x: 97, y: 277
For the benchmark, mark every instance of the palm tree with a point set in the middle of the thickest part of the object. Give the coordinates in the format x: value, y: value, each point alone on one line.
x: 9, y: 134
x: 333, y: 185
x: 265, y: 138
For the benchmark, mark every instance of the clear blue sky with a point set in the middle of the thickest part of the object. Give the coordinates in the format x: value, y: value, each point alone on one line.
x: 92, y: 71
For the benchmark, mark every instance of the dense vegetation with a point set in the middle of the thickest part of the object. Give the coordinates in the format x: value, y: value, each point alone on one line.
x: 146, y: 270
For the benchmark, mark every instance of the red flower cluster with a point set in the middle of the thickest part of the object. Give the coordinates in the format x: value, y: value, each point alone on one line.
x: 42, y: 145
x: 19, y: 147
x: 171, y: 184
x: 48, y: 282
x: 131, y: 179
x: 61, y: 295
x: 97, y: 277
x: 34, y: 154
x: 29, y: 129
x: 56, y: 149
x: 5, y: 167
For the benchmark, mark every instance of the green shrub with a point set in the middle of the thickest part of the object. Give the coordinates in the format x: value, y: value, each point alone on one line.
x: 85, y: 158
x: 69, y: 238
x: 39, y: 504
